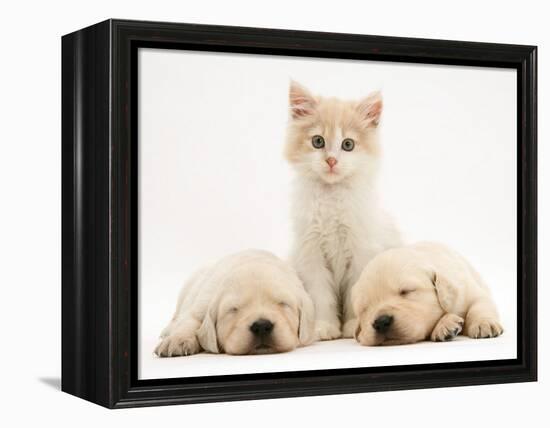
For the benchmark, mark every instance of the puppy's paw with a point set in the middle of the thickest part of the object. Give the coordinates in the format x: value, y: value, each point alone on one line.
x: 177, y: 345
x: 350, y: 326
x: 447, y: 328
x: 483, y: 328
x: 327, y: 330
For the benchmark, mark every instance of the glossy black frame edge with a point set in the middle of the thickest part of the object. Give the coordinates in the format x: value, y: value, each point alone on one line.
x: 99, y: 215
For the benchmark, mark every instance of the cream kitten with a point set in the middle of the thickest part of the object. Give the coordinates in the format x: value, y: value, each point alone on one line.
x: 338, y: 223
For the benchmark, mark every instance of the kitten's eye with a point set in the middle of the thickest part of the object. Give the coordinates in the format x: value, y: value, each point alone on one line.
x: 318, y: 142
x: 348, y: 144
x: 406, y: 292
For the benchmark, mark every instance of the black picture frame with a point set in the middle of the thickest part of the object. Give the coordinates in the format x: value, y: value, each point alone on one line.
x: 99, y: 213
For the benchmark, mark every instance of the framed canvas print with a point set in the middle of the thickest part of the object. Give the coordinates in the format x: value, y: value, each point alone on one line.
x: 252, y: 213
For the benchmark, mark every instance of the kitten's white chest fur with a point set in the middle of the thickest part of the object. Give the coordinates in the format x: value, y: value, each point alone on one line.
x: 324, y: 222
x: 338, y: 228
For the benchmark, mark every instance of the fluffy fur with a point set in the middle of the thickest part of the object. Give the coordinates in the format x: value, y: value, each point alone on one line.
x: 223, y: 308
x: 422, y: 291
x: 338, y: 223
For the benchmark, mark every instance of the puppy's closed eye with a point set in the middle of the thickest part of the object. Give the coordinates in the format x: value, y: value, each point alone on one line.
x: 406, y: 291
x: 232, y: 310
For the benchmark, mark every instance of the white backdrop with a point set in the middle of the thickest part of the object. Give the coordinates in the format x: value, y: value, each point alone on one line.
x: 213, y: 179
x: 31, y: 205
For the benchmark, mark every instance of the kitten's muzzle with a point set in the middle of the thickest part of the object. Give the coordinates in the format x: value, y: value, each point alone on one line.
x: 331, y: 161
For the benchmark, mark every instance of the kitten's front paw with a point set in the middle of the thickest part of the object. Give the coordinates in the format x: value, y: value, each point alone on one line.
x: 327, y: 330
x: 350, y: 326
x: 177, y: 345
x: 483, y: 328
x: 447, y: 328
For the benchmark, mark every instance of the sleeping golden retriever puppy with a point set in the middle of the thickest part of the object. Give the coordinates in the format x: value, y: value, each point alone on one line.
x: 411, y: 293
x: 248, y: 303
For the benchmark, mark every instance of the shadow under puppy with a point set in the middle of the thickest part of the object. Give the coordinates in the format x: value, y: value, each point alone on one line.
x: 248, y: 303
x: 412, y: 293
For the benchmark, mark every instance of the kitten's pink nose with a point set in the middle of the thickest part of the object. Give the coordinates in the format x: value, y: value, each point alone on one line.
x: 331, y: 162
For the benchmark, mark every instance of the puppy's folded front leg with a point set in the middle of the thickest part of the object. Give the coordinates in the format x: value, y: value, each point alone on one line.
x: 179, y: 339
x: 447, y: 328
x: 482, y: 320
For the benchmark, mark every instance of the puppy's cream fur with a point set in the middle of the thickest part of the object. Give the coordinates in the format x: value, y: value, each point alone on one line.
x: 429, y: 290
x: 338, y: 222
x: 218, y: 305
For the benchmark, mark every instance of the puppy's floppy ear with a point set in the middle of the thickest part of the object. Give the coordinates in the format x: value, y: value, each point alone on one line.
x: 357, y: 331
x: 447, y: 291
x: 206, y: 334
x: 357, y: 302
x: 306, y: 326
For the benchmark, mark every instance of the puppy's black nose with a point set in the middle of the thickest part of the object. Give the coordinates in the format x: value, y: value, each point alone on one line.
x: 261, y: 327
x: 382, y: 323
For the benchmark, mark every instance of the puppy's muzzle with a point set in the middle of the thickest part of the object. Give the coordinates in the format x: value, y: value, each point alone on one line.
x: 382, y: 323
x: 261, y: 328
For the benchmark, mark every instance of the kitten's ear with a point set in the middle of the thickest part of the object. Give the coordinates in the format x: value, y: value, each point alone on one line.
x: 302, y: 103
x: 370, y: 109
